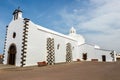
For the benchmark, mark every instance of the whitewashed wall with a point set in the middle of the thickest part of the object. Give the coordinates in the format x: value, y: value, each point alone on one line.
x: 37, y: 43
x: 94, y: 53
x: 85, y: 48
x: 107, y: 53
x: 17, y: 27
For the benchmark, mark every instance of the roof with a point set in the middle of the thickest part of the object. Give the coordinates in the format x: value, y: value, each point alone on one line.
x: 52, y: 32
x: 95, y: 47
x: 87, y: 44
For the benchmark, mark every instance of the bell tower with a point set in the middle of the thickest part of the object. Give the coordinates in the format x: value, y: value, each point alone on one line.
x: 17, y: 14
x: 72, y: 30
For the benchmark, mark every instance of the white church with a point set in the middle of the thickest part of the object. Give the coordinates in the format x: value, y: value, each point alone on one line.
x: 27, y: 43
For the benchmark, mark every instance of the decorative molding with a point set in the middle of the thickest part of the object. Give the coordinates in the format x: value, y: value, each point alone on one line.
x: 68, y: 52
x: 5, y: 43
x: 50, y: 51
x: 24, y: 42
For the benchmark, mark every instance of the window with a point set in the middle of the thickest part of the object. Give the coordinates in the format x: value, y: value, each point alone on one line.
x: 14, y: 35
x: 58, y: 46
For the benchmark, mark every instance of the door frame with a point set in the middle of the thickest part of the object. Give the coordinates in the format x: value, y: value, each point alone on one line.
x: 12, y: 54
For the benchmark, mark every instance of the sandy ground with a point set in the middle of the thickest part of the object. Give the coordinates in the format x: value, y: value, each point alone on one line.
x: 71, y: 71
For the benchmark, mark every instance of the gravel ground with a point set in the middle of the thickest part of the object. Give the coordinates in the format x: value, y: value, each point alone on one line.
x: 69, y: 71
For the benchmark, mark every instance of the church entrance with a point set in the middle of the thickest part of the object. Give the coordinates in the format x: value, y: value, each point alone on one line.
x: 12, y: 54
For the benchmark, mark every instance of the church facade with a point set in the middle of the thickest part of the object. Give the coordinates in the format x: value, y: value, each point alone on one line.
x: 27, y: 43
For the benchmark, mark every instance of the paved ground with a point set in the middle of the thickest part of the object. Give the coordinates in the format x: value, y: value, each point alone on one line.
x: 6, y: 66
x: 71, y: 71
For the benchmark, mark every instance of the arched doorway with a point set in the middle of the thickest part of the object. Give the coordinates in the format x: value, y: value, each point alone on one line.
x: 12, y: 54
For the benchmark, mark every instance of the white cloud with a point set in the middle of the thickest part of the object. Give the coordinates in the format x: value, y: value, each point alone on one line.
x: 101, y: 16
x: 105, y: 7
x: 102, y: 23
x: 72, y: 18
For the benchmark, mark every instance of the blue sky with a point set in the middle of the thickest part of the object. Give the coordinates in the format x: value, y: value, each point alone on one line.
x: 96, y: 20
